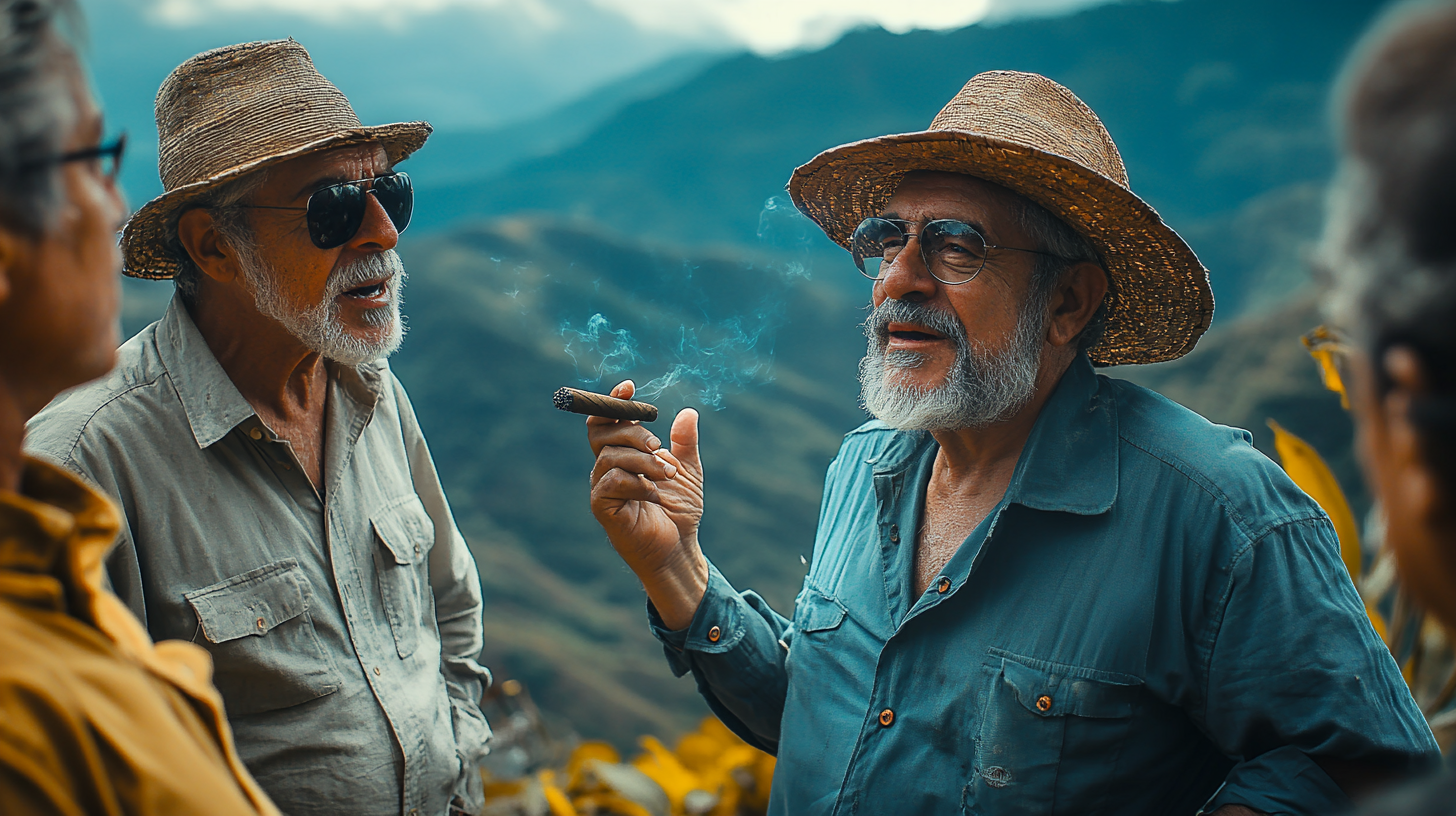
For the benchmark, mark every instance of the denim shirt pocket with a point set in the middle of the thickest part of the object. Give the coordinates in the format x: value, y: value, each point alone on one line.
x: 406, y: 533
x: 265, y: 650
x: 1050, y: 735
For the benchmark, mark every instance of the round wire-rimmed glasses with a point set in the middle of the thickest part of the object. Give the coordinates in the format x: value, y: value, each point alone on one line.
x: 953, y: 251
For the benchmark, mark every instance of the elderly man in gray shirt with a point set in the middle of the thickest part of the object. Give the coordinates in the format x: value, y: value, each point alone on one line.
x: 282, y: 509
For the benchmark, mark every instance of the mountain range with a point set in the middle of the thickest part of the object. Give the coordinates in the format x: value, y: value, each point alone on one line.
x: 645, y: 234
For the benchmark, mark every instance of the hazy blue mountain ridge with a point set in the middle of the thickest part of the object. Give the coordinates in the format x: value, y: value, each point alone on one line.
x: 1211, y: 102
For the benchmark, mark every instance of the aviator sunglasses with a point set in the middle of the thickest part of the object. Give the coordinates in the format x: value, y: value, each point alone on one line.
x: 336, y: 212
x: 953, y: 251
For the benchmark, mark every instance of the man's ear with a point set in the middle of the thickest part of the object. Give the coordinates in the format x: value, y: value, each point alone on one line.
x: 1411, y: 471
x: 1074, y: 301
x: 11, y: 249
x: 201, y: 241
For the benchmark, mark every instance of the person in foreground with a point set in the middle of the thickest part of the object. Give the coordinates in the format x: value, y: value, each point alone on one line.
x: 1391, y: 245
x: 94, y: 717
x: 1035, y: 589
x: 280, y: 505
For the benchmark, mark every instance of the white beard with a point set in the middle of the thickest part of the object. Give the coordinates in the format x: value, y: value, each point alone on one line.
x: 318, y: 327
x: 980, y: 388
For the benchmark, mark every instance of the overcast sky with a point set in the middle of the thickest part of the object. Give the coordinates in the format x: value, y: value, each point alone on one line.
x: 765, y: 26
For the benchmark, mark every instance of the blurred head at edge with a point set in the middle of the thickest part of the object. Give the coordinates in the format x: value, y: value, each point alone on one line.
x: 59, y: 211
x: 1390, y: 245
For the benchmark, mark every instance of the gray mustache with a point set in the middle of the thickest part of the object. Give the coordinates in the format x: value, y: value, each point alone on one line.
x: 370, y: 267
x: 940, y: 321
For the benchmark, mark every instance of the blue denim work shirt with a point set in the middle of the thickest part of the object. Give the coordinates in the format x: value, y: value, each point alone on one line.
x: 1154, y: 619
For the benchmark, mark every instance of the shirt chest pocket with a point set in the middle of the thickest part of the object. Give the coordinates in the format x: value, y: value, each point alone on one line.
x: 405, y: 533
x: 266, y: 653
x: 1050, y: 736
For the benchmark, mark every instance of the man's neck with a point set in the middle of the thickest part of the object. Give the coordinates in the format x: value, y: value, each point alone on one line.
x: 280, y: 377
x: 979, y: 458
x: 16, y: 408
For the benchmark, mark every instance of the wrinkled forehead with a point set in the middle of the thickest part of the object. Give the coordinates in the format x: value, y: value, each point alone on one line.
x: 349, y: 163
x: 305, y: 174
x: 926, y: 195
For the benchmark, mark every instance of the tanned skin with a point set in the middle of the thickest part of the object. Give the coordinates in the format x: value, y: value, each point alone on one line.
x: 649, y: 499
x: 60, y: 292
x: 285, y: 381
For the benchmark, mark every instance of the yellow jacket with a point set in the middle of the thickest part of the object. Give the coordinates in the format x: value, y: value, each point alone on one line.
x: 94, y: 717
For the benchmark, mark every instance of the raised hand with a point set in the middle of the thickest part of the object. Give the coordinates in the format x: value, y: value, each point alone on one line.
x: 649, y: 499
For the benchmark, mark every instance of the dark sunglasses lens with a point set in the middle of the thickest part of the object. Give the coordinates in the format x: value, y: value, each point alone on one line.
x: 955, y: 249
x: 875, y: 242
x: 396, y: 195
x: 334, y: 215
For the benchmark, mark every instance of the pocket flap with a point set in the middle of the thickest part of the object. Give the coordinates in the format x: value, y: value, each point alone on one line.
x: 816, y: 612
x: 250, y: 603
x: 1057, y: 692
x: 406, y: 530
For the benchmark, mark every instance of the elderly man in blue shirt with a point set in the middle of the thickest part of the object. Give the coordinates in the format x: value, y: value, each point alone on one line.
x: 1035, y: 589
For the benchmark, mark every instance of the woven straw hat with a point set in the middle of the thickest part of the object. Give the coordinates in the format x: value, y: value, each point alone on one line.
x: 227, y: 112
x: 1034, y: 137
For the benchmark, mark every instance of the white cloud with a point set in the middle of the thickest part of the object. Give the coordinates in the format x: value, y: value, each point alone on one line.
x: 771, y: 26
x: 764, y: 26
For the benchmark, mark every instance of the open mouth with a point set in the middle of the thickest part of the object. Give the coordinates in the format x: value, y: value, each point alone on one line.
x: 908, y: 333
x: 368, y: 291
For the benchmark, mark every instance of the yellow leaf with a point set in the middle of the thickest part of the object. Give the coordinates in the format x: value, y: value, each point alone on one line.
x: 556, y: 800
x: 1313, y: 476
x: 1324, y: 348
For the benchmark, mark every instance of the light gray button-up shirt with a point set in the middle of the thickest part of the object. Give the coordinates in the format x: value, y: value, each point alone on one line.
x: 343, y: 629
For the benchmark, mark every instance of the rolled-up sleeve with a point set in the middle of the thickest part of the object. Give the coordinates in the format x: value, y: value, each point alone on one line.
x: 735, y: 648
x: 455, y: 583
x: 1295, y: 674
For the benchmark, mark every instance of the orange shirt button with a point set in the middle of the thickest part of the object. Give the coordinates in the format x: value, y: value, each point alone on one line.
x: 943, y: 585
x: 262, y: 625
x: 887, y: 718
x: 1043, y: 703
x: 715, y: 634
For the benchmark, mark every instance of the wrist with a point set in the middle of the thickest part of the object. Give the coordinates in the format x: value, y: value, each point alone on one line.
x: 677, y: 586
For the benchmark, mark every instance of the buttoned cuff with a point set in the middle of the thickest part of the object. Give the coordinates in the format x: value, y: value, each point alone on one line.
x: 716, y: 627
x: 1282, y: 782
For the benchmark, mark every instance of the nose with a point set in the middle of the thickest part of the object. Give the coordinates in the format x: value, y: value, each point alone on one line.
x: 906, y: 277
x: 377, y: 232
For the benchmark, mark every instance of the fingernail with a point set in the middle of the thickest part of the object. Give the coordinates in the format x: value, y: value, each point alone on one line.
x: 653, y: 443
x: 670, y: 471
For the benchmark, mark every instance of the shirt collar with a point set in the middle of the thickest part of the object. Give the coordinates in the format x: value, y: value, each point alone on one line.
x: 214, y: 406
x: 57, y: 527
x: 1069, y: 463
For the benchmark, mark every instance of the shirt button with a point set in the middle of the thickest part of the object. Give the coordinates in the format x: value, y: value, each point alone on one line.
x: 715, y: 634
x: 256, y: 433
x: 376, y: 670
x: 262, y: 626
x: 1043, y: 703
x: 943, y: 585
x: 887, y: 718
x: 894, y: 534
x: 417, y: 549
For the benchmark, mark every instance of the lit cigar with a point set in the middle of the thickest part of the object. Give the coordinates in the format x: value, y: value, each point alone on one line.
x: 600, y: 405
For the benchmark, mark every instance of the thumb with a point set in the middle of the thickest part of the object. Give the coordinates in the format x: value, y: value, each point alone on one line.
x: 685, y: 438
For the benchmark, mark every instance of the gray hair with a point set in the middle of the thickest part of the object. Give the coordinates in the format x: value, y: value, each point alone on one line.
x: 1390, y: 239
x: 227, y: 204
x: 36, y: 110
x: 1067, y: 247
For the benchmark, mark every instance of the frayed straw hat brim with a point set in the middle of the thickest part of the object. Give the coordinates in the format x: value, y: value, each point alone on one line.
x: 1161, y: 300
x: 143, y: 240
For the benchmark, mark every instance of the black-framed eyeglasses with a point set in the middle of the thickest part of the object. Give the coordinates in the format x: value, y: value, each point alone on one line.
x: 107, y: 157
x: 953, y: 251
x: 336, y: 212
